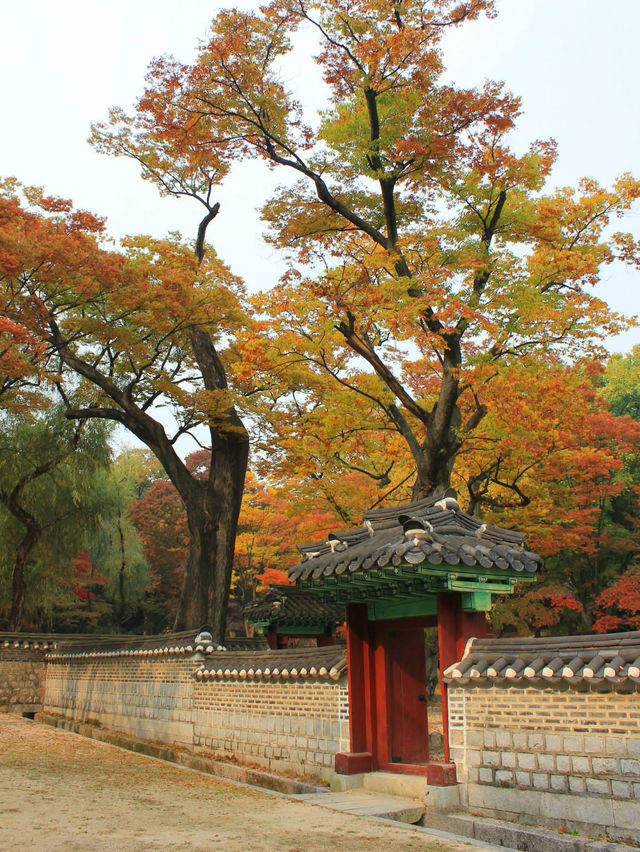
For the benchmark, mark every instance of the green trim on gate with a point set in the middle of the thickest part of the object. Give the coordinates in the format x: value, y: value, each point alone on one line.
x: 476, y: 601
x: 402, y: 586
x: 289, y: 629
x: 427, y: 605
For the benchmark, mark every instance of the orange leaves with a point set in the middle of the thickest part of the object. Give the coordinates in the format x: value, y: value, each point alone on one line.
x: 134, y: 310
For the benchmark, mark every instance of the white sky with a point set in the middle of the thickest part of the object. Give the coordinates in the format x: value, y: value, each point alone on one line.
x: 575, y: 63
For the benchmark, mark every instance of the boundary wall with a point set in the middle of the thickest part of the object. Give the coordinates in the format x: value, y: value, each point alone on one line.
x: 541, y: 730
x: 284, y: 711
x: 548, y: 730
x: 23, y: 671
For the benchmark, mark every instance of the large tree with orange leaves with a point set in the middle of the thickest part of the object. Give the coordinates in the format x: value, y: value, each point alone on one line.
x: 425, y: 255
x: 136, y: 337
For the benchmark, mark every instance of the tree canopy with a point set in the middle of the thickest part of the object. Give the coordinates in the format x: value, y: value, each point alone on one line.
x: 437, y: 323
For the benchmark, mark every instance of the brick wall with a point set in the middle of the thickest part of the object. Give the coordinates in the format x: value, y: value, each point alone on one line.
x: 295, y: 725
x: 560, y: 757
x: 287, y: 726
x: 148, y: 698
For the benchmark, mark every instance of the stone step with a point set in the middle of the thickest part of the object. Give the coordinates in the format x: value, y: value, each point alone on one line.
x: 511, y: 835
x: 409, y: 786
x: 366, y: 803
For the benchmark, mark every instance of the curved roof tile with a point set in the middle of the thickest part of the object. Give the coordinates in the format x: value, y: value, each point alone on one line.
x: 433, y: 532
x: 599, y: 662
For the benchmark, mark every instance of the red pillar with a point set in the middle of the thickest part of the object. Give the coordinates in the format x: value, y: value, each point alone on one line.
x: 360, y: 758
x: 272, y: 638
x: 455, y: 628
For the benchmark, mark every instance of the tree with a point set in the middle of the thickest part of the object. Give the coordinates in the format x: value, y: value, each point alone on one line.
x: 47, y: 467
x: 425, y: 257
x: 145, y: 329
x: 618, y: 607
x: 564, y: 467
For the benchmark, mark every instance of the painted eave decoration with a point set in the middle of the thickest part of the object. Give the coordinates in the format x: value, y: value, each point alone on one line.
x: 598, y: 663
x: 420, y: 549
x: 287, y: 605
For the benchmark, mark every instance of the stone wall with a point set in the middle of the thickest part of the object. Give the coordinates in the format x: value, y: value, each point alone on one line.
x: 563, y: 754
x: 282, y: 710
x: 296, y: 726
x: 22, y: 675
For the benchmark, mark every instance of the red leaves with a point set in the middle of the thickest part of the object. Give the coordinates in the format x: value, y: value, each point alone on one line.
x: 618, y: 607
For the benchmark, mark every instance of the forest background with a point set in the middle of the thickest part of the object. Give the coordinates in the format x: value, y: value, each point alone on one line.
x: 569, y: 476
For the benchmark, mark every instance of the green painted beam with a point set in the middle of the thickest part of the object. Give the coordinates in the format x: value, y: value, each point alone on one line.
x: 403, y: 609
x: 476, y: 601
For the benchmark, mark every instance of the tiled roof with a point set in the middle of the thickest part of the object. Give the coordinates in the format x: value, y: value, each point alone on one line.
x: 185, y: 642
x: 288, y: 605
x: 29, y: 641
x: 601, y: 662
x: 427, y: 533
x: 288, y: 664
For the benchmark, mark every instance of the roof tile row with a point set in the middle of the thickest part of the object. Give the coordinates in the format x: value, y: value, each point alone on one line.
x: 610, y: 661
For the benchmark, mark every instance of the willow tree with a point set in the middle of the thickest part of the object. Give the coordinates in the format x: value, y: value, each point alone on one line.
x: 424, y: 253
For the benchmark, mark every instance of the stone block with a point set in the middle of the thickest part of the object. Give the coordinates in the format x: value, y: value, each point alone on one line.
x: 536, y: 741
x: 527, y: 761
x: 490, y: 739
x: 621, y: 790
x: 593, y: 744
x: 605, y: 766
x: 503, y: 739
x: 456, y: 737
x: 540, y: 780
x: 630, y: 767
x: 577, y: 785
x: 474, y: 757
x: 546, y: 762
x: 563, y: 763
x: 615, y: 745
x: 491, y: 758
x: 553, y: 742
x: 442, y: 799
x: 581, y: 765
x: 572, y: 743
x: 475, y: 738
x: 504, y: 777
x: 520, y: 741
x: 558, y: 783
x: 598, y: 785
x: 627, y: 815
x: 633, y: 746
x: 571, y: 808
x: 486, y: 776
x: 508, y: 759
x: 504, y: 799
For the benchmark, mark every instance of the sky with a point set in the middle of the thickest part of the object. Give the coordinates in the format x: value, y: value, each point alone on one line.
x: 574, y: 63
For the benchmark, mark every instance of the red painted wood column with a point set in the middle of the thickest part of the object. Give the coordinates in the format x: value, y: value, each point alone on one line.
x: 360, y: 758
x: 272, y: 638
x: 455, y: 628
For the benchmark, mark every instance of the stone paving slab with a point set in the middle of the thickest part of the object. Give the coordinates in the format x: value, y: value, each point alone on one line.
x: 363, y: 803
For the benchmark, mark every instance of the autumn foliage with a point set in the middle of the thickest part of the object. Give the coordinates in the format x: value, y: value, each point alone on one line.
x: 436, y: 325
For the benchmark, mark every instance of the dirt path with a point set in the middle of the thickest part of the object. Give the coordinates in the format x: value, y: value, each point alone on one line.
x: 59, y: 791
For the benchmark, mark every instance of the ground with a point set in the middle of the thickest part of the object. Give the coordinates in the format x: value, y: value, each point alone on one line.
x: 59, y: 791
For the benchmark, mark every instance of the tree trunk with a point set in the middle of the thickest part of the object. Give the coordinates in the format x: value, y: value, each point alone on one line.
x: 212, y: 516
x: 121, y: 607
x: 18, y: 581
